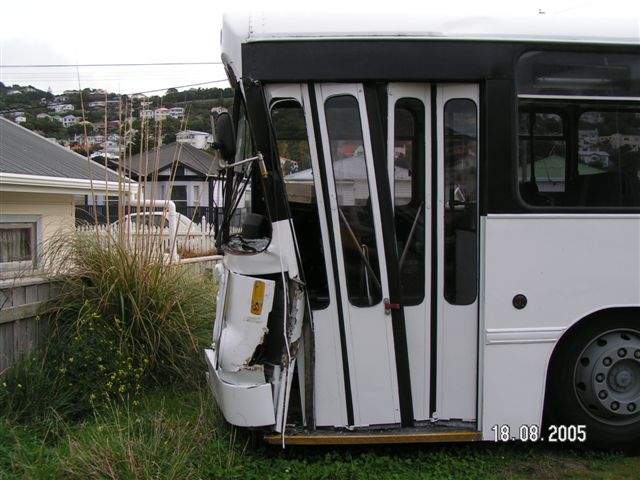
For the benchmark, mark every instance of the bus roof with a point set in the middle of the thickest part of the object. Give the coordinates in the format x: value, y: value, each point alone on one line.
x: 239, y: 28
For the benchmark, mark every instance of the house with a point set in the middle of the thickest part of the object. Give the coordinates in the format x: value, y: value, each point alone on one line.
x: 39, y: 181
x: 193, y: 171
x: 44, y: 115
x: 103, y: 103
x: 19, y: 119
x: 176, y: 112
x: 161, y: 113
x: 146, y: 113
x: 617, y: 140
x: 69, y: 120
x: 194, y: 138
x: 61, y: 107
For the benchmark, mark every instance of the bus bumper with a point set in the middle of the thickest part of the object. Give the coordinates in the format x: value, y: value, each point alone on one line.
x: 243, y: 403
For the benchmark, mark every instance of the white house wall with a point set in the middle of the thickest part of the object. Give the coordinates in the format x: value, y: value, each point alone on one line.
x: 567, y: 266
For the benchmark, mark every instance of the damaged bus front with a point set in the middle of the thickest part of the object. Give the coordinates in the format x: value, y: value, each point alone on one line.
x: 261, y: 304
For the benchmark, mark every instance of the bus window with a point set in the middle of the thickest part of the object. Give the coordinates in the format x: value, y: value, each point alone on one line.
x: 542, y: 153
x: 590, y: 160
x: 579, y: 129
x: 357, y: 231
x: 460, y: 202
x: 295, y: 160
x: 586, y: 74
x: 409, y: 196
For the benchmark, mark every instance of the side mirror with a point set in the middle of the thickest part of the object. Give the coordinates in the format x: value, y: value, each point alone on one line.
x: 224, y: 136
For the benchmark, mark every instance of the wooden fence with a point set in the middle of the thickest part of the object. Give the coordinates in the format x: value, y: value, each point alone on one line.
x: 20, y: 329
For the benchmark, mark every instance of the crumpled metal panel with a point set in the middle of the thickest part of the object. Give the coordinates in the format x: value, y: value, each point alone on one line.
x: 245, y: 323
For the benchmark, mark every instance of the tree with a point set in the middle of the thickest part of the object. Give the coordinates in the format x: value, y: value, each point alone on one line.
x: 78, y: 129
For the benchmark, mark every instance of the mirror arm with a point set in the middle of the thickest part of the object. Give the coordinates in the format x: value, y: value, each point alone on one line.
x: 259, y: 158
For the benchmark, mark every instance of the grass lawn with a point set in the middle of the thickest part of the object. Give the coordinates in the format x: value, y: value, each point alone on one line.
x: 179, y: 435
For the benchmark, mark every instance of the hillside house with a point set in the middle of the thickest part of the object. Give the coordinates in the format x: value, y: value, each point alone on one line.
x: 68, y: 120
x: 161, y: 113
x: 61, y: 107
x: 146, y: 113
x: 176, y: 112
x: 194, y: 138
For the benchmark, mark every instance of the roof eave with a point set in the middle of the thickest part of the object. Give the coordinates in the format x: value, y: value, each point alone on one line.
x: 13, y: 182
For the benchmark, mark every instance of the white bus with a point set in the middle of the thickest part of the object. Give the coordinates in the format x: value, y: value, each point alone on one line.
x: 444, y: 237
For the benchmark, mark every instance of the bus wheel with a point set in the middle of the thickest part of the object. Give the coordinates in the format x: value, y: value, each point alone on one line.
x: 595, y: 381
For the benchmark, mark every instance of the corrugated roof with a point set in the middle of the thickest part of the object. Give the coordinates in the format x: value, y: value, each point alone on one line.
x: 158, y: 158
x: 24, y: 152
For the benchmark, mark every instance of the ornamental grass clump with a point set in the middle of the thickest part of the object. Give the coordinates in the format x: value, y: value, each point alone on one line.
x: 122, y: 320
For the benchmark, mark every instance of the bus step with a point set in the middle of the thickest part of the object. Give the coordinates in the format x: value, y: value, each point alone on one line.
x: 320, y: 437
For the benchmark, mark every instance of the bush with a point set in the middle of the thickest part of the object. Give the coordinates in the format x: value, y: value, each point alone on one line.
x: 122, y: 320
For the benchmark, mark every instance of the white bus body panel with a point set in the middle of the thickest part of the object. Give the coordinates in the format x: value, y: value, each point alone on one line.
x: 568, y: 266
x: 242, y: 404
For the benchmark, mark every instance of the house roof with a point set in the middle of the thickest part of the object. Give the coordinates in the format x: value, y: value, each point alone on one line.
x: 161, y: 157
x: 27, y: 159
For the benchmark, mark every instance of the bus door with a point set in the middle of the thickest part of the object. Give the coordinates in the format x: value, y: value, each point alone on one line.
x: 366, y: 328
x: 410, y: 172
x: 293, y: 125
x: 432, y: 146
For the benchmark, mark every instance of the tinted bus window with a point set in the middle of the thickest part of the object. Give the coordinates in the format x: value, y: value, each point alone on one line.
x: 357, y: 230
x: 585, y: 74
x: 293, y: 148
x: 460, y: 202
x: 590, y: 157
x: 409, y: 196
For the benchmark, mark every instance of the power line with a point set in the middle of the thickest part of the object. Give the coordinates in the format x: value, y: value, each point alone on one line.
x: 74, y: 65
x: 181, y: 86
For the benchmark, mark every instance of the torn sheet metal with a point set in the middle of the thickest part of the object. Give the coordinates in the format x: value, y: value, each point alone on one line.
x: 249, y: 301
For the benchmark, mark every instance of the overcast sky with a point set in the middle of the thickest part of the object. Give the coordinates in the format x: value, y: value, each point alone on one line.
x: 118, y: 31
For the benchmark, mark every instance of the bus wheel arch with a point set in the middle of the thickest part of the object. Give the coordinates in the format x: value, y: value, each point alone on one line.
x: 593, y: 378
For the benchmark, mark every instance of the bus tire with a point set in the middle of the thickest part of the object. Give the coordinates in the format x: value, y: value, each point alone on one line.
x: 595, y: 381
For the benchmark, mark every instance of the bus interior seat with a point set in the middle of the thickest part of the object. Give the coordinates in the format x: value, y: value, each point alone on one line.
x: 609, y: 189
x: 531, y: 194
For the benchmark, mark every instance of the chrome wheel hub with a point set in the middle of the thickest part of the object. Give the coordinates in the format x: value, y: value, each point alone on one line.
x: 607, y: 377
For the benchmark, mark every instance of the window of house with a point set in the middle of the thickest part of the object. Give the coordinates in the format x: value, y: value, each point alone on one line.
x: 460, y: 202
x: 409, y: 196
x: 196, y: 194
x: 295, y: 160
x: 17, y: 246
x: 357, y: 230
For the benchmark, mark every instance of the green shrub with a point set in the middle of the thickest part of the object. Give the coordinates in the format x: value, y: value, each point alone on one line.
x: 122, y: 320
